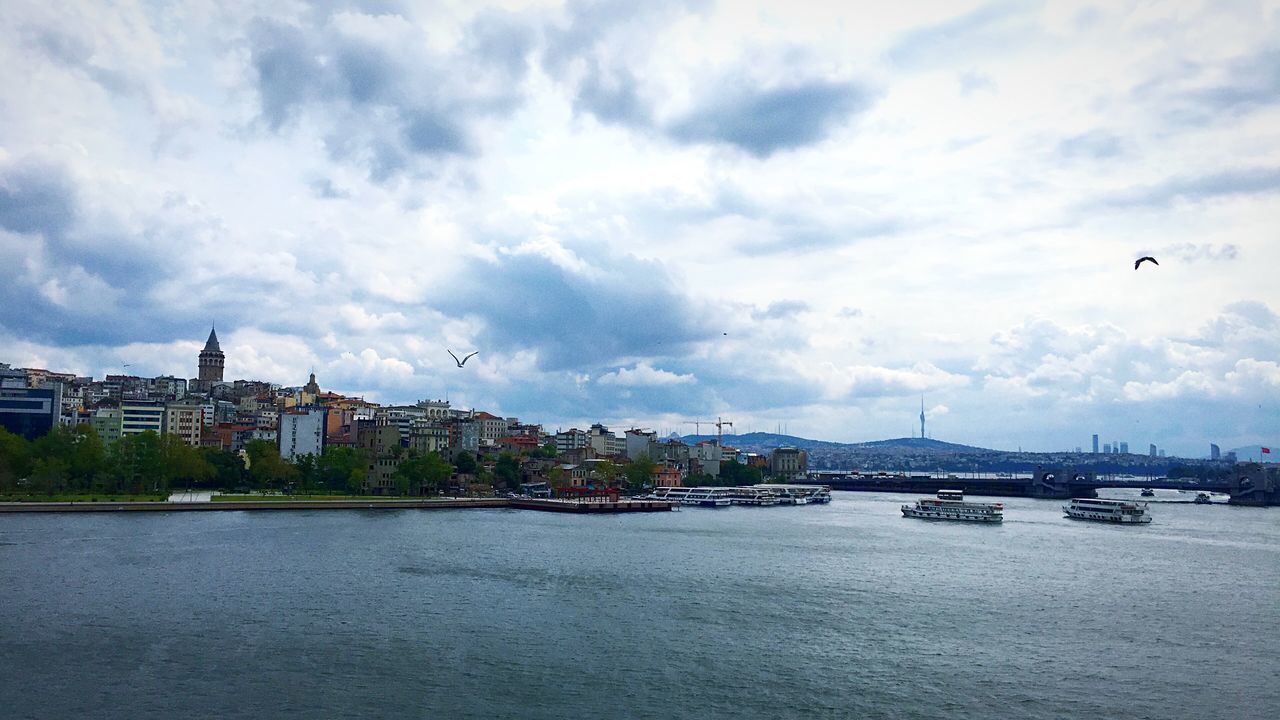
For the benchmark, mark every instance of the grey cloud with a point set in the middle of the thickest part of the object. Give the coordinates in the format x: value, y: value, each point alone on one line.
x: 84, y: 279
x: 987, y: 30
x: 286, y: 68
x: 76, y: 53
x: 613, y: 95
x: 501, y: 39
x: 623, y: 307
x: 597, y: 52
x: 780, y: 310
x: 850, y: 312
x: 971, y: 81
x: 1095, y: 144
x: 1242, y: 181
x: 36, y: 197
x: 1253, y: 81
x: 1194, y: 252
x: 797, y: 234
x: 763, y: 122
x: 324, y: 188
x: 387, y: 109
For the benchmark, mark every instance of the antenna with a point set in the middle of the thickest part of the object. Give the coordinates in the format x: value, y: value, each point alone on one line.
x: 922, y: 435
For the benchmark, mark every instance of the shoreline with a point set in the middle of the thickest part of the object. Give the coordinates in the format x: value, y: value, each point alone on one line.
x: 396, y: 504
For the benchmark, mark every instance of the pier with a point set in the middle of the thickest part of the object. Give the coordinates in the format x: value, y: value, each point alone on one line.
x: 1251, y: 484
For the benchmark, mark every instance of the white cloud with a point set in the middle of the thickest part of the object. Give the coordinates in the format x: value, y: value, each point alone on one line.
x: 589, y: 213
x: 644, y: 375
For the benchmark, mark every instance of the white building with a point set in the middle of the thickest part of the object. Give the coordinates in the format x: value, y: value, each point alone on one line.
x: 302, y: 432
x: 185, y: 420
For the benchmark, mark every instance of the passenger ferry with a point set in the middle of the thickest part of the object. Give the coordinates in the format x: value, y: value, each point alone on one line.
x: 1118, y: 511
x: 798, y: 494
x: 699, y: 496
x: 754, y: 496
x: 950, y: 505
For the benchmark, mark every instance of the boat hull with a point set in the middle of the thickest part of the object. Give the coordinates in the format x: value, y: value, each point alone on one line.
x: 1107, y: 517
x: 911, y: 512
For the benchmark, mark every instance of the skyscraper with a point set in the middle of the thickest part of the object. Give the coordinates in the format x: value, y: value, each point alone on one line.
x: 1215, y: 452
x: 211, y: 359
x: 1152, y: 451
x: 1095, y: 443
x: 1124, y: 448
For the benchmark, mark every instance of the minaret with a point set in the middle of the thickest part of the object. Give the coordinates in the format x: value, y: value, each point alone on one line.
x: 211, y: 359
x: 922, y: 417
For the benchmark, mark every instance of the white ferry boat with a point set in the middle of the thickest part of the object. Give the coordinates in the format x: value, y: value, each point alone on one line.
x: 950, y: 505
x: 753, y: 496
x: 1118, y: 511
x: 798, y: 494
x: 699, y: 496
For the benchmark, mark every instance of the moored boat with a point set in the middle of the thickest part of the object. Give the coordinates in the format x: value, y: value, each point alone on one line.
x: 1116, y: 511
x: 951, y: 505
x: 1203, y: 499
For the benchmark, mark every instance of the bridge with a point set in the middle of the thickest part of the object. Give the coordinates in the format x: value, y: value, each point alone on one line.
x: 1250, y: 484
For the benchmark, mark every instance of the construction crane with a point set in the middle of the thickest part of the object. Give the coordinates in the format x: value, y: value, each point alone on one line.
x: 720, y: 423
x: 697, y: 425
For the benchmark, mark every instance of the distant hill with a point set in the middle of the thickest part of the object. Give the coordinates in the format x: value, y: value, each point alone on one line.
x: 768, y: 441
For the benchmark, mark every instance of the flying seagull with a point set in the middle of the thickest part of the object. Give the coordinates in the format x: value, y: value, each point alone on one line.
x: 464, y: 360
x: 1138, y: 262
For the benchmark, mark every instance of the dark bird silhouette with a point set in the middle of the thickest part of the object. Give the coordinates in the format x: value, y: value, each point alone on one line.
x: 464, y: 360
x: 1138, y: 262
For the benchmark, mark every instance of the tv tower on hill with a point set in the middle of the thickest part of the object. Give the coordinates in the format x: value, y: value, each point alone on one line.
x: 922, y: 417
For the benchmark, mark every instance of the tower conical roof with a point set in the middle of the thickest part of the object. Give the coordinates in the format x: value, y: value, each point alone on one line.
x: 211, y: 345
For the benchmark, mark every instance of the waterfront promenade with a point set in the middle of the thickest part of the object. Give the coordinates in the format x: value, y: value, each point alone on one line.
x: 566, y: 506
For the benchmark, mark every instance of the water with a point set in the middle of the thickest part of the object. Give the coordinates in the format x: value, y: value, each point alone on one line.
x: 844, y: 610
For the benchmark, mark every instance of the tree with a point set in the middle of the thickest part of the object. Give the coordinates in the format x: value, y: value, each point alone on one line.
x: 507, y: 469
x: 137, y: 464
x: 737, y: 474
x: 183, y: 463
x: 342, y: 469
x: 15, y: 459
x: 558, y: 478
x: 607, y: 472
x: 266, y: 467
x: 639, y: 472
x: 465, y: 463
x: 549, y: 451
x: 228, y: 468
x: 422, y: 474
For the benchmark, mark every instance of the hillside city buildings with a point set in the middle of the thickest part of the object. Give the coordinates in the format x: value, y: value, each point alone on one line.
x: 210, y: 411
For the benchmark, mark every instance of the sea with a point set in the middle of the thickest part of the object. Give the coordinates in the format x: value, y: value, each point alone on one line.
x: 846, y: 610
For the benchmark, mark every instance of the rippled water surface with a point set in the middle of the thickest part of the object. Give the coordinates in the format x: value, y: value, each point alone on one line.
x: 844, y: 610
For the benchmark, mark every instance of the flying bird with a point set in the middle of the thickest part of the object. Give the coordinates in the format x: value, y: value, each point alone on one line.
x: 464, y: 360
x: 1138, y: 262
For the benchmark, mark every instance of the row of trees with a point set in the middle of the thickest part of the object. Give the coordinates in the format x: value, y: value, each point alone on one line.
x: 76, y: 460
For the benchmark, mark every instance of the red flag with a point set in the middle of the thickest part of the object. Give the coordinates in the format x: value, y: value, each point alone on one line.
x: 1266, y: 450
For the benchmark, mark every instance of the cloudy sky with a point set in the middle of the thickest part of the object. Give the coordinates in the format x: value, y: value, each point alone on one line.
x: 799, y: 214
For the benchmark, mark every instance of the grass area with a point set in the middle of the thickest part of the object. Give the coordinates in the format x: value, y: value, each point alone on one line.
x: 292, y: 498
x: 82, y: 497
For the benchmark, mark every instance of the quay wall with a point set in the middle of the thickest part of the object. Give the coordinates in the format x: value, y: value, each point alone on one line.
x: 421, y: 504
x: 586, y: 506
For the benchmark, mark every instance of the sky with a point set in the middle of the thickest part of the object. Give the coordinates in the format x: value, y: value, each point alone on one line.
x: 790, y: 215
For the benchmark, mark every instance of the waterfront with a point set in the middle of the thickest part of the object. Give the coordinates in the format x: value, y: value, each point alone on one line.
x: 846, y: 609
